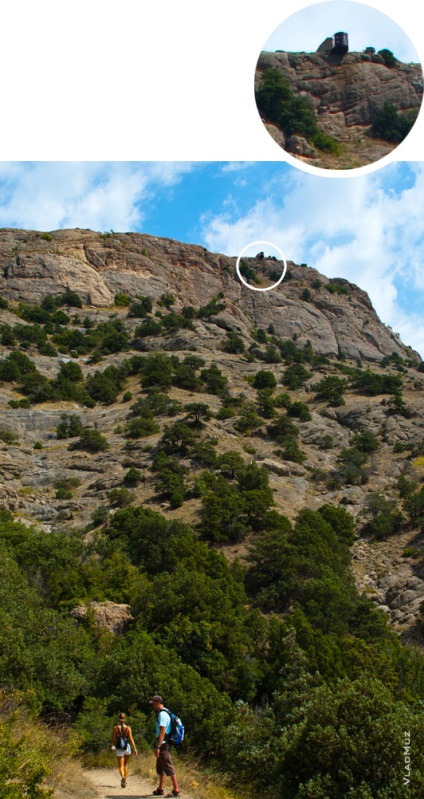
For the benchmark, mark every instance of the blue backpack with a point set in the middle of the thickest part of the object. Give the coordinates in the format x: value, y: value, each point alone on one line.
x: 176, y: 736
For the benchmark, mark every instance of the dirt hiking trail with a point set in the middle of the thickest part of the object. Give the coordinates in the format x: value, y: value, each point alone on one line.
x: 106, y: 784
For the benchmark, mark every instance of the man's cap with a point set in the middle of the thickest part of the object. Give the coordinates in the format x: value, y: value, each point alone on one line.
x: 155, y: 698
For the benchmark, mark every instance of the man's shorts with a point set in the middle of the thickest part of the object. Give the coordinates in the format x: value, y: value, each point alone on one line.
x: 164, y: 764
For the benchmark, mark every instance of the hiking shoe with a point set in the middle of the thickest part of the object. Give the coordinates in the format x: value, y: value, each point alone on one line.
x: 173, y: 793
x: 158, y: 792
x: 123, y: 782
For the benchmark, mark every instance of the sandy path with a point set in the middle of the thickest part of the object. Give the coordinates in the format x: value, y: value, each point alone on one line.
x: 107, y: 785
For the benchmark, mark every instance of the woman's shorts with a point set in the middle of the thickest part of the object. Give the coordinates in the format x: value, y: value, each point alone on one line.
x: 123, y: 752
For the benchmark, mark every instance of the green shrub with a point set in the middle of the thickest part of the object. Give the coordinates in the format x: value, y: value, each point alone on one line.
x: 248, y: 272
x: 7, y: 437
x: 326, y: 442
x: 264, y: 379
x: 120, y: 497
x: 197, y: 413
x: 351, y: 469
x: 157, y: 371
x: 372, y: 384
x: 233, y: 344
x: 331, y: 389
x: 414, y: 504
x: 266, y: 404
x: 70, y: 426
x: 91, y: 441
x: 30, y: 334
x: 406, y: 487
x: 105, y: 386
x: 140, y: 308
x: 166, y: 300
x: 142, y: 426
x: 63, y: 493
x: 300, y: 411
x: 366, y: 441
x: 7, y: 336
x: 248, y: 419
x: 177, y: 438
x: 133, y: 476
x: 99, y: 515
x: 23, y: 403
x: 283, y: 430
x: 214, y: 380
x: 122, y: 299
x: 271, y: 354
x: 388, y: 57
x: 148, y: 328
x: 71, y: 298
x: 292, y: 452
x: 47, y: 349
x: 390, y: 125
x: 336, y: 287
x: 385, y: 518
x: 295, y: 376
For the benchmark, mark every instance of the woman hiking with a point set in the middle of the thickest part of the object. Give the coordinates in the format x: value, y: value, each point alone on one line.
x: 122, y: 741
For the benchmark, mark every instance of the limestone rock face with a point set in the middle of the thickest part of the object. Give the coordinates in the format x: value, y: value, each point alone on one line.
x: 53, y: 274
x: 350, y: 89
x: 98, y: 266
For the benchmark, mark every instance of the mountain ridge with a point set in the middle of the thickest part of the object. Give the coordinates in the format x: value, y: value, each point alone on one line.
x: 98, y: 266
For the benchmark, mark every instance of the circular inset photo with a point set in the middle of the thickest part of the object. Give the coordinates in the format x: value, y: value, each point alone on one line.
x: 338, y: 85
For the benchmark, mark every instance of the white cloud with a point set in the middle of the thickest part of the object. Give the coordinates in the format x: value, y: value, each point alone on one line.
x: 354, y: 228
x: 97, y: 195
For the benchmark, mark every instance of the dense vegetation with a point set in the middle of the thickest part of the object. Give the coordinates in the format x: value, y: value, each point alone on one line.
x: 199, y: 635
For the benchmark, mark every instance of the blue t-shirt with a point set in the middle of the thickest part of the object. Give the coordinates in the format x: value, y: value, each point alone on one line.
x: 163, y: 719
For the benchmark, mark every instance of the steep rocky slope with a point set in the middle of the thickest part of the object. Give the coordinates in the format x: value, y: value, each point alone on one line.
x: 97, y: 266
x: 200, y: 316
x: 346, y: 93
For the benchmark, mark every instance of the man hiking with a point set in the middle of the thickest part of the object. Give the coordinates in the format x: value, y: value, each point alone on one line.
x: 164, y: 764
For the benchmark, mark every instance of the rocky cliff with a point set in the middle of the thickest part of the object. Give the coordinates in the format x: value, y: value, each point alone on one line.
x: 346, y: 93
x: 337, y: 316
x: 198, y: 316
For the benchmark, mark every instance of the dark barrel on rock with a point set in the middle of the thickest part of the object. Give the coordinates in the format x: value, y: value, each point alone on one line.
x: 341, y: 43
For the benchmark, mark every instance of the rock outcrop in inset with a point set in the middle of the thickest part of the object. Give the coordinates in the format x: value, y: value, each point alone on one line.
x: 346, y: 92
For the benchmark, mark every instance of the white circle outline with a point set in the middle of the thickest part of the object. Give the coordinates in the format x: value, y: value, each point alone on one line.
x: 253, y: 244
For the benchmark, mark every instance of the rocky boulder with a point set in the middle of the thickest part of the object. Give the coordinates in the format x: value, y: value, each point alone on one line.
x: 107, y: 615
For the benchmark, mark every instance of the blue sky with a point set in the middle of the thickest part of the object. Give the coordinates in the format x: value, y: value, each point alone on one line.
x: 367, y: 229
x: 366, y: 26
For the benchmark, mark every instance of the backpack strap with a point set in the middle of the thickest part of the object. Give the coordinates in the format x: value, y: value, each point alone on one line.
x: 121, y: 732
x: 167, y: 734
